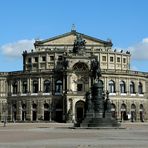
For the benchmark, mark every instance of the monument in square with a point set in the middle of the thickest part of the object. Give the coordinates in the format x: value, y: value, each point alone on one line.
x: 98, y: 105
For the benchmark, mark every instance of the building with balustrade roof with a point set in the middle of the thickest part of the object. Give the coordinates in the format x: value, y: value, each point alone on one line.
x: 55, y: 79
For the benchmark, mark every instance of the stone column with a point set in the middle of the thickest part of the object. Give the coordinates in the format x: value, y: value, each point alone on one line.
x: 19, y: 87
x: 136, y: 86
x: 68, y: 82
x: 39, y: 84
x: 10, y: 112
x: 46, y: 66
x: 29, y: 111
x: 117, y: 85
x: 28, y: 85
x: 69, y: 110
x: 11, y: 88
x: 40, y: 110
x: 38, y: 61
x: 53, y: 85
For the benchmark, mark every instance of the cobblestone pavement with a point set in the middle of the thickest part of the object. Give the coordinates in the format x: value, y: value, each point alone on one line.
x: 54, y: 135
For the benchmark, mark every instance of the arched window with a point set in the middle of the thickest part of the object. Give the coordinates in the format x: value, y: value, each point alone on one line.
x: 140, y: 88
x: 24, y: 87
x: 46, y: 86
x: 113, y: 110
x: 15, y: 87
x: 111, y: 86
x: 132, y: 87
x: 58, y: 88
x: 35, y: 86
x: 80, y: 67
x: 122, y: 87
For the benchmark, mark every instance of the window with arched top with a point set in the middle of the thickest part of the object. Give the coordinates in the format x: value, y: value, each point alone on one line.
x: 122, y: 87
x: 58, y: 87
x: 132, y: 87
x: 34, y: 106
x: 24, y: 87
x: 35, y: 86
x: 111, y: 86
x: 140, y: 88
x: 46, y: 86
x: 23, y: 106
x: 15, y: 87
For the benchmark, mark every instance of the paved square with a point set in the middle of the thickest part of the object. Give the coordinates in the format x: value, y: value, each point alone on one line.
x: 54, y: 135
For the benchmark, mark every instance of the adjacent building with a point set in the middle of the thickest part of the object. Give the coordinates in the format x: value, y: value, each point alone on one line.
x: 55, y: 79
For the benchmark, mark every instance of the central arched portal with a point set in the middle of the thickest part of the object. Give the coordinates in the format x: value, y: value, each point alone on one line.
x: 79, y: 111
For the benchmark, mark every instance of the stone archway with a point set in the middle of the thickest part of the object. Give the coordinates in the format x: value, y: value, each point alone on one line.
x: 34, y: 112
x: 141, y: 112
x: 46, y: 112
x: 23, y: 112
x: 79, y: 111
x: 133, y: 112
x: 113, y: 111
x: 123, y: 112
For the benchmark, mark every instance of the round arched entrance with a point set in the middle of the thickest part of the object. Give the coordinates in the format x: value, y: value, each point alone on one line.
x: 46, y: 112
x: 79, y: 111
x: 34, y: 112
x: 113, y: 110
x: 141, y: 111
x: 133, y: 112
x: 123, y: 112
x: 23, y: 112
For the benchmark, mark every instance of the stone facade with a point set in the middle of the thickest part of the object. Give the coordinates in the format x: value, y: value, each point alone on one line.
x: 54, y: 81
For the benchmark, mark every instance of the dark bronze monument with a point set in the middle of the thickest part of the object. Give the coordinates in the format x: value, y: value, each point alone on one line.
x: 98, y: 105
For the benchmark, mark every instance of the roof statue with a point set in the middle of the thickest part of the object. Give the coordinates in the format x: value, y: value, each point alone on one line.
x: 79, y: 43
x: 73, y: 28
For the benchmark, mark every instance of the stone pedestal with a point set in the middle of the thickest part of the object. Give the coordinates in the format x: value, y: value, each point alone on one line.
x: 98, y: 113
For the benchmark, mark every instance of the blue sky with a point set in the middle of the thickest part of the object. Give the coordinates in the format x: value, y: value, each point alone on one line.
x: 125, y: 22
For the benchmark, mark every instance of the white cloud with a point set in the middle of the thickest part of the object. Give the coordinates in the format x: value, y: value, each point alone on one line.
x: 140, y: 50
x: 16, y: 49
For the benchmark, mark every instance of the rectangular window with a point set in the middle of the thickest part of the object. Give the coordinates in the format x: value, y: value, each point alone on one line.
x: 118, y: 59
x: 36, y: 59
x: 79, y: 87
x: 104, y: 58
x: 51, y: 58
x: 111, y: 59
x: 29, y: 60
x: 60, y: 58
x: 43, y: 58
x: 124, y: 60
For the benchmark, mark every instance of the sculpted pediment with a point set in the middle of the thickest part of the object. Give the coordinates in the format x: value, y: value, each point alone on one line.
x: 69, y: 38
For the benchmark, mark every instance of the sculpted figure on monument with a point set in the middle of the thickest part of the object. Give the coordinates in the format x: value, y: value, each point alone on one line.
x: 79, y: 43
x: 95, y: 67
